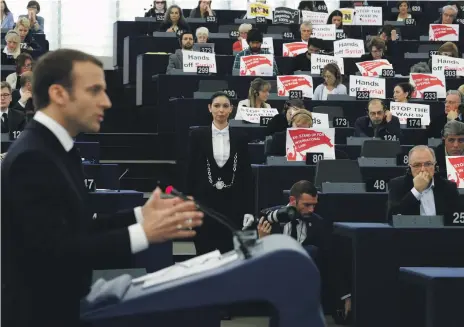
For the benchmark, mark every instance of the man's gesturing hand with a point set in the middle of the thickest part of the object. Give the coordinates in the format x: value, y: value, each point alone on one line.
x: 166, y: 219
x: 422, y: 181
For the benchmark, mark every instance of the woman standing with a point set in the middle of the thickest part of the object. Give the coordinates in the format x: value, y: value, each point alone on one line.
x: 219, y: 175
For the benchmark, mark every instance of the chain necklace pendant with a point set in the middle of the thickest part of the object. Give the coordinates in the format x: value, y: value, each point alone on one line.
x: 219, y: 184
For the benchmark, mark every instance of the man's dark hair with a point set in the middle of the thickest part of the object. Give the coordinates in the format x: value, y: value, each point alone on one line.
x: 33, y: 4
x: 181, y: 36
x: 254, y: 35
x: 315, y: 42
x: 303, y: 187
x: 21, y: 61
x: 56, y: 67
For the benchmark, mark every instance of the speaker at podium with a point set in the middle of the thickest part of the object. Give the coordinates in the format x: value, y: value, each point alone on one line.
x: 191, y: 293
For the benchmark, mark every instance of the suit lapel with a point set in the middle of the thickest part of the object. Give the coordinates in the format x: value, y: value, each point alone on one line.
x: 439, y: 203
x: 233, y: 142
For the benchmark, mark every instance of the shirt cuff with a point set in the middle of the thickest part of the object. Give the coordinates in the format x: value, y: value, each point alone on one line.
x: 416, y: 193
x: 346, y: 296
x: 21, y: 104
x: 138, y: 239
x: 138, y: 214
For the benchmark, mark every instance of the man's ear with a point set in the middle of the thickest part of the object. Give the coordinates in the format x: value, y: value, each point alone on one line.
x: 292, y: 200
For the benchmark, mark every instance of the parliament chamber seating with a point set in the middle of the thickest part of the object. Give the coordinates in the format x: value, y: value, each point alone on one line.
x: 145, y: 139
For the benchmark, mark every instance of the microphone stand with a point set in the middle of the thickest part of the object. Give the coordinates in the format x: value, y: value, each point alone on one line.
x: 218, y: 217
x: 119, y: 179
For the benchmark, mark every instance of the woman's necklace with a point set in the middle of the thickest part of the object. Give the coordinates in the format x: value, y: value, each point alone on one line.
x: 219, y: 184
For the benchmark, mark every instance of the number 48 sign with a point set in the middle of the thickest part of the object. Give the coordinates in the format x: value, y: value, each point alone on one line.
x: 376, y: 185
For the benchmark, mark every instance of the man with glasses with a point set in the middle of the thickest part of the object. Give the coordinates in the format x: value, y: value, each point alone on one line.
x: 453, y: 144
x: 379, y: 123
x: 448, y: 16
x: 420, y: 191
x: 11, y: 120
x: 453, y: 111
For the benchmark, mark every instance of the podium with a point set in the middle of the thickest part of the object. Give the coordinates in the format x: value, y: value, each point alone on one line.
x: 279, y: 272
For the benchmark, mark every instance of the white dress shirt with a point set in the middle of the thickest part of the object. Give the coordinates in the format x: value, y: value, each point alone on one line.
x: 138, y: 239
x: 301, y: 230
x: 221, y: 145
x: 427, y: 200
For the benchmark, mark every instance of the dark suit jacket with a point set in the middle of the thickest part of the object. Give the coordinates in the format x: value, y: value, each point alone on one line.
x: 436, y: 126
x: 363, y: 128
x: 50, y: 243
x: 15, y: 97
x: 301, y: 62
x: 402, y: 201
x: 441, y: 160
x: 16, y: 120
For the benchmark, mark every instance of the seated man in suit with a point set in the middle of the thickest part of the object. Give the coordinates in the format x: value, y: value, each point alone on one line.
x: 303, y: 61
x: 420, y: 191
x: 454, y: 106
x: 378, y: 123
x: 22, y: 98
x: 176, y: 60
x: 12, y: 120
x: 453, y: 144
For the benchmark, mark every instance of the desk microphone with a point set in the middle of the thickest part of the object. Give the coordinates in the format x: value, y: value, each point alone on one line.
x: 223, y: 220
x: 119, y: 179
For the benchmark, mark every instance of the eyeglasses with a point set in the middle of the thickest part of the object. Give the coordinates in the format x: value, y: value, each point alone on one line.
x: 454, y: 139
x: 5, y: 95
x: 450, y: 102
x: 427, y: 164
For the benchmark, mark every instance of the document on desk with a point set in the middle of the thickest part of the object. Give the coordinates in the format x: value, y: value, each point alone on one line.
x: 190, y: 267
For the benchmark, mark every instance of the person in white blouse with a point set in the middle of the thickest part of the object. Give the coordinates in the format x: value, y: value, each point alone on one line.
x: 257, y: 96
x: 332, y: 83
x: 403, y: 14
x: 219, y: 175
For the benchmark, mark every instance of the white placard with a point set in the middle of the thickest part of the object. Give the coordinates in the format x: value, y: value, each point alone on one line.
x: 325, y: 32
x: 315, y: 17
x: 285, y: 83
x: 252, y: 115
x: 444, y: 32
x: 320, y: 120
x: 373, y: 67
x: 375, y: 86
x: 303, y: 140
x: 368, y: 16
x: 442, y: 63
x: 293, y: 49
x: 428, y: 83
x: 268, y: 43
x: 256, y: 9
x: 318, y: 62
x: 405, y: 110
x: 257, y: 65
x: 349, y: 48
x: 455, y: 170
x: 193, y: 59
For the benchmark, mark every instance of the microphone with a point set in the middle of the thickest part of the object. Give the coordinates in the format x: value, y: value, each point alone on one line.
x: 119, y: 179
x: 223, y: 220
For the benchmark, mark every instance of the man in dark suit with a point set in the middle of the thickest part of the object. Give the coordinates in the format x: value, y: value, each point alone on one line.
x: 12, y: 120
x: 454, y: 106
x: 378, y: 123
x: 22, y: 97
x: 453, y: 144
x: 50, y: 243
x: 420, y: 191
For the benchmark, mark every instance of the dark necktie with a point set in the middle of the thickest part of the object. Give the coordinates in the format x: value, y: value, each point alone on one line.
x: 294, y: 233
x: 5, y: 127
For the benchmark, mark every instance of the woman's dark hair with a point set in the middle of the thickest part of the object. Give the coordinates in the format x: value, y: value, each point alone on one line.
x: 398, y: 4
x: 167, y: 16
x: 333, y: 14
x: 33, y: 4
x: 335, y: 71
x: 406, y: 87
x: 305, y: 4
x: 295, y: 103
x: 165, y: 4
x: 217, y: 95
x: 56, y: 67
x: 21, y: 61
x: 377, y: 42
x: 7, y: 10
